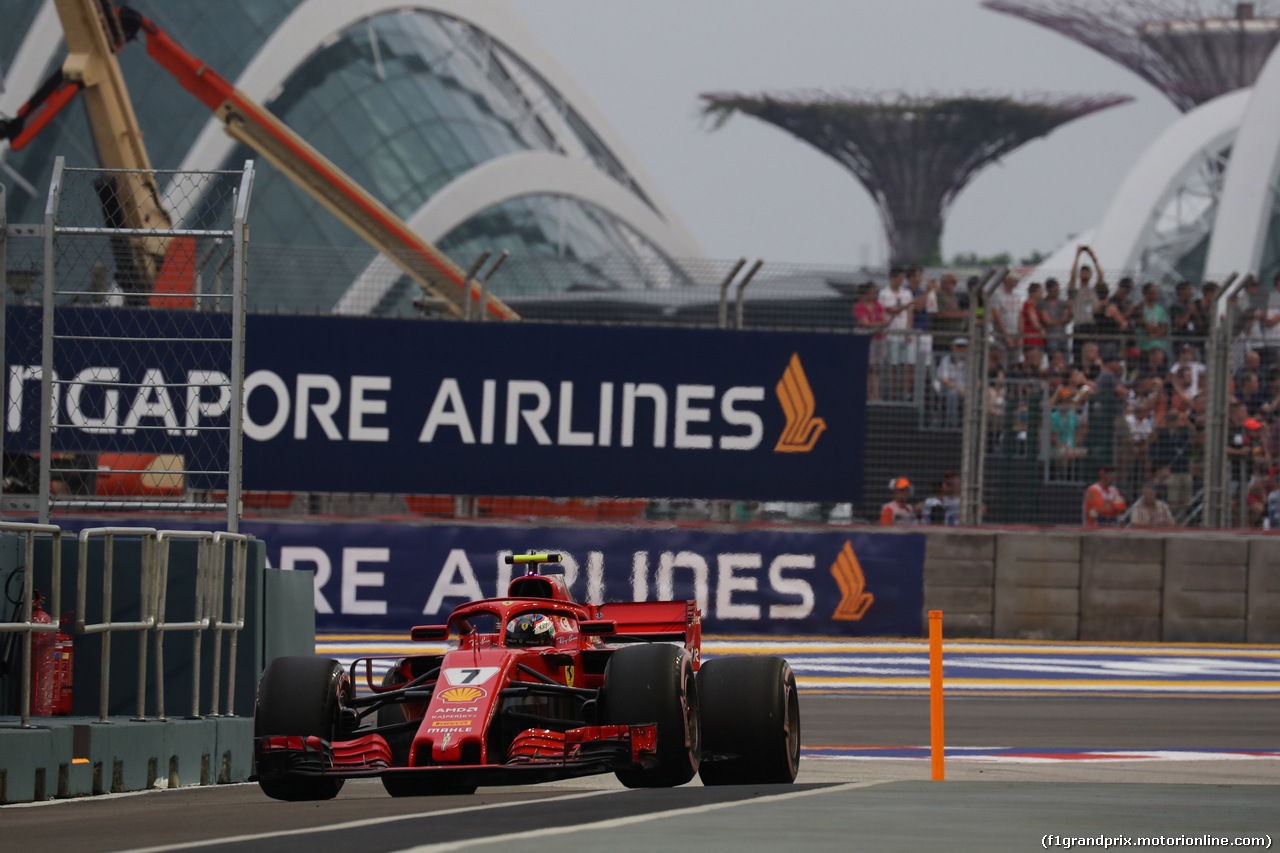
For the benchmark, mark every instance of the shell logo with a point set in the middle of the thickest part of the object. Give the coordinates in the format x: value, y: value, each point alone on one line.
x: 456, y: 695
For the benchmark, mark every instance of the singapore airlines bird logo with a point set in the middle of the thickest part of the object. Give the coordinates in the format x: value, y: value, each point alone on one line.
x: 854, y: 598
x: 796, y: 397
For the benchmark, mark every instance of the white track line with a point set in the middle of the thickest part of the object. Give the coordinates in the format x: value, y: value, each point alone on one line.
x: 354, y: 824
x: 614, y: 823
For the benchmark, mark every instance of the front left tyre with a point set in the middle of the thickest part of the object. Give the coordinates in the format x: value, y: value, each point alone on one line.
x: 656, y: 684
x: 301, y: 697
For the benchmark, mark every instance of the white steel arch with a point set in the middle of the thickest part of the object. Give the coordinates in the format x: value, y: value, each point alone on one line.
x: 1248, y: 195
x: 313, y: 22
x: 1128, y: 228
x: 503, y: 179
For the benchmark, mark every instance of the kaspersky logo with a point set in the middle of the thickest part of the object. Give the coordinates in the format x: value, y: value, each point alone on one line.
x: 854, y: 598
x: 796, y: 398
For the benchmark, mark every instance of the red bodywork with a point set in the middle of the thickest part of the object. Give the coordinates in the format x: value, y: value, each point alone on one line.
x: 461, y: 723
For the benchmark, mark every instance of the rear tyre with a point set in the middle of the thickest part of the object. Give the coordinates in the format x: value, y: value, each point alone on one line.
x: 656, y: 684
x: 301, y: 696
x: 751, y: 721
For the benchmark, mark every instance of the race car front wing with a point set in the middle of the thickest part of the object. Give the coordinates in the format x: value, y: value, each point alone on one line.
x: 535, y: 755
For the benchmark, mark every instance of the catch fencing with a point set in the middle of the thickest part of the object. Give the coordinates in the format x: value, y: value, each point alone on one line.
x: 1021, y: 448
x: 138, y: 409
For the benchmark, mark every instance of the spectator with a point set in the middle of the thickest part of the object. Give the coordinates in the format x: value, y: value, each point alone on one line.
x: 1155, y: 361
x: 1106, y: 328
x: 1105, y: 409
x: 1030, y: 326
x: 1005, y: 309
x: 1250, y: 393
x: 1252, y: 319
x: 1150, y: 511
x: 1150, y: 321
x: 1091, y: 360
x: 1055, y: 315
x: 1252, y: 364
x: 1057, y: 361
x: 943, y: 507
x: 1064, y: 429
x: 951, y: 381
x: 1103, y: 503
x: 1178, y: 385
x: 953, y: 313
x: 1187, y: 359
x: 1120, y: 309
x: 1171, y: 449
x: 1188, y: 324
x: 1083, y: 293
x: 870, y: 317
x: 899, y: 511
x: 897, y: 302
x: 1208, y: 307
x: 924, y: 305
x: 1271, y: 394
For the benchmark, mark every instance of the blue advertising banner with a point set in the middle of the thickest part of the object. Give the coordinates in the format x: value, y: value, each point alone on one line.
x: 343, y: 404
x: 389, y: 577
x: 370, y: 405
x: 132, y: 381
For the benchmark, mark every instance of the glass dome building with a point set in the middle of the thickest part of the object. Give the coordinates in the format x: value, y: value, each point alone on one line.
x: 449, y: 112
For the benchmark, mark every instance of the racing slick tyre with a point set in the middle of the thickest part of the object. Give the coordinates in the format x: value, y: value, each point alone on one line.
x: 656, y: 684
x: 751, y: 721
x: 301, y: 696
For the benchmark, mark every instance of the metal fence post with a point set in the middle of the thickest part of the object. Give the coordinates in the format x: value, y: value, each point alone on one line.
x: 974, y: 434
x: 235, y: 441
x: 742, y: 286
x: 1217, y: 474
x: 46, y: 339
x: 4, y: 315
x: 724, y: 292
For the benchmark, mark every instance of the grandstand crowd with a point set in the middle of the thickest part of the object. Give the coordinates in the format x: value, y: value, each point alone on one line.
x: 1114, y: 378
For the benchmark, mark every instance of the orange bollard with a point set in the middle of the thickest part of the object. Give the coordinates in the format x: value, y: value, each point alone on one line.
x: 937, y: 740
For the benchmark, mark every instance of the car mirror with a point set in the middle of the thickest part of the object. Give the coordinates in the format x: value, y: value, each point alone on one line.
x: 601, y: 627
x: 427, y: 633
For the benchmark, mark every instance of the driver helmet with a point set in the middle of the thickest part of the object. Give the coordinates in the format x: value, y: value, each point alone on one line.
x: 531, y: 629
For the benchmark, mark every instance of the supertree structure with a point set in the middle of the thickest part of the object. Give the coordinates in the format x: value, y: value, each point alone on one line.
x: 1191, y: 50
x: 912, y: 153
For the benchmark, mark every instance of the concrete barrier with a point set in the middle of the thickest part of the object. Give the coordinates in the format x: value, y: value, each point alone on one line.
x: 1104, y: 586
x: 1205, y: 583
x: 1262, y: 620
x: 1037, y: 586
x: 1121, y: 583
x: 959, y: 580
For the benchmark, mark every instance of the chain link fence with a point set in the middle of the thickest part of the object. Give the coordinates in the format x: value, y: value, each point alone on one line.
x: 998, y: 403
x: 135, y: 402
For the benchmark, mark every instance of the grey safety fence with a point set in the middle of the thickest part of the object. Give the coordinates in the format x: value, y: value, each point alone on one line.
x: 142, y: 344
x: 216, y: 609
x: 28, y: 626
x: 207, y: 587
x: 148, y: 593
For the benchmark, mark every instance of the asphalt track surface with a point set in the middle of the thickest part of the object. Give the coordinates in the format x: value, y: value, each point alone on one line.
x: 1092, y: 786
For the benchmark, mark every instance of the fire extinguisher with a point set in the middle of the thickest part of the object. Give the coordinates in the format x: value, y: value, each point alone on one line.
x: 51, y: 659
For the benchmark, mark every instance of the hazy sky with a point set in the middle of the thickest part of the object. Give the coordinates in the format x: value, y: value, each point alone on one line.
x: 751, y: 189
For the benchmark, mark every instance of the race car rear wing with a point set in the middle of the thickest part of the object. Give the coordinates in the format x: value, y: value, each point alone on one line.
x: 655, y: 621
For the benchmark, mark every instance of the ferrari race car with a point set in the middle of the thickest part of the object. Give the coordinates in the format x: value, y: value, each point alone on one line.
x: 534, y: 687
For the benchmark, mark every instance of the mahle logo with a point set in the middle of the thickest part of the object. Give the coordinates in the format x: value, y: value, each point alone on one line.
x: 796, y: 398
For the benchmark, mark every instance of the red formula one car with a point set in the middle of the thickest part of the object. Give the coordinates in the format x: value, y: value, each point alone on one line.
x: 534, y: 687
